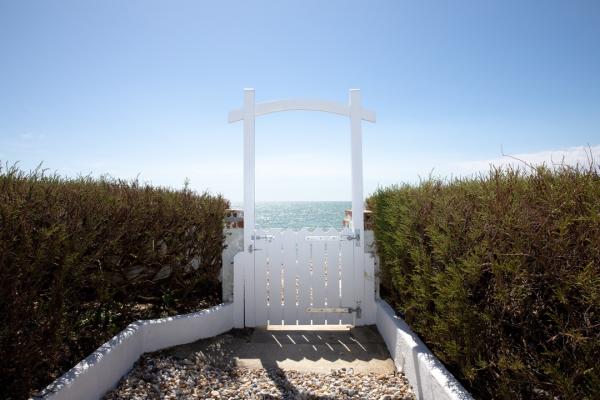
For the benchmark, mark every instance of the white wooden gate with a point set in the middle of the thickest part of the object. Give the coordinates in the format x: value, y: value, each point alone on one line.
x: 307, y: 277
x: 304, y: 277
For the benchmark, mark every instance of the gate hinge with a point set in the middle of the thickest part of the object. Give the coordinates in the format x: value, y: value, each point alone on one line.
x: 356, y: 310
x: 251, y: 248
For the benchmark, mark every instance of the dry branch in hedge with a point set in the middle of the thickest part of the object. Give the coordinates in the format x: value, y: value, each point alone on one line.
x: 500, y: 275
x: 82, y: 258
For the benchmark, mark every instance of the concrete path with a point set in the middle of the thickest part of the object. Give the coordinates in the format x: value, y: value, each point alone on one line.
x: 361, y: 349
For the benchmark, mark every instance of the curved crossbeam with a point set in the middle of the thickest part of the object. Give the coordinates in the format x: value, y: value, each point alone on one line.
x: 306, y: 105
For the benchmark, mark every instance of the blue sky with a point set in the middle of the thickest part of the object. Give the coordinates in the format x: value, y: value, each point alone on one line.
x: 144, y: 87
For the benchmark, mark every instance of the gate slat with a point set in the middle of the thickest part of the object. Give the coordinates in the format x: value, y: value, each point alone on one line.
x: 260, y: 280
x: 318, y: 276
x: 304, y: 279
x: 290, y: 272
x: 275, y: 261
x: 332, y: 290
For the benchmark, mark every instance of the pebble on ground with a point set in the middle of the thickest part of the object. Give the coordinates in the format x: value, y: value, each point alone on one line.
x: 157, y: 376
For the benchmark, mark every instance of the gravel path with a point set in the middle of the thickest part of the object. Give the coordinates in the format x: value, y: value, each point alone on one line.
x: 162, y: 376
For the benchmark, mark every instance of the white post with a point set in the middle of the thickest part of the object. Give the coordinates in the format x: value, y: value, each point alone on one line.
x: 357, y: 173
x: 360, y: 272
x: 249, y: 182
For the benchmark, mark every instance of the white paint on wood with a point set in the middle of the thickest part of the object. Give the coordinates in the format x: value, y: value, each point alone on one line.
x: 305, y: 105
x: 317, y: 277
x: 304, y: 279
x: 318, y: 247
x: 332, y: 277
x: 295, y: 273
x: 249, y: 166
x: 368, y: 305
x: 262, y: 281
x: 274, y: 251
x: 290, y: 273
x: 251, y: 110
x: 239, y: 266
x: 359, y: 281
x: 357, y: 172
x: 357, y: 223
x: 249, y: 210
x: 347, y: 284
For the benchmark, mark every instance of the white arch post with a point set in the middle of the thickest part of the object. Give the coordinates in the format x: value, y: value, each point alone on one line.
x: 248, y: 114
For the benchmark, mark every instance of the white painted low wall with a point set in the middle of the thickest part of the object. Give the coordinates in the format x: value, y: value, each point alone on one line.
x: 425, y: 373
x: 102, y: 370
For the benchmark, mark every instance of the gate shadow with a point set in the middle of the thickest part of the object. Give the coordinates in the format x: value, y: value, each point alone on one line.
x: 361, y: 349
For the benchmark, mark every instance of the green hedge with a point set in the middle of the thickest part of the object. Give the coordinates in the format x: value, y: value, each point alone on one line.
x: 500, y: 276
x: 82, y: 258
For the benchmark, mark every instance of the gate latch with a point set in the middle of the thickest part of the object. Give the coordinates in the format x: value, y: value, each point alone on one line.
x: 268, y: 238
x: 352, y: 236
x: 263, y: 237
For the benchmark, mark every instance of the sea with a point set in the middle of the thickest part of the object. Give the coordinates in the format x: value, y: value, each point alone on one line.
x: 299, y: 214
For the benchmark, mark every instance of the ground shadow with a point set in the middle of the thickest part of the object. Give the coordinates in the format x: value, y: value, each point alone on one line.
x: 269, y: 349
x: 361, y: 349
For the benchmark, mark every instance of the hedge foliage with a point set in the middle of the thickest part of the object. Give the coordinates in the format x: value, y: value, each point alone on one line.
x: 82, y: 258
x: 500, y: 276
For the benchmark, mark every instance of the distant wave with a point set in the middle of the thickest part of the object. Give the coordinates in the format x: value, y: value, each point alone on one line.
x: 299, y: 214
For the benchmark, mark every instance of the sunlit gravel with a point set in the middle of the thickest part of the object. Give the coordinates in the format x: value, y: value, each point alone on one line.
x: 157, y: 376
